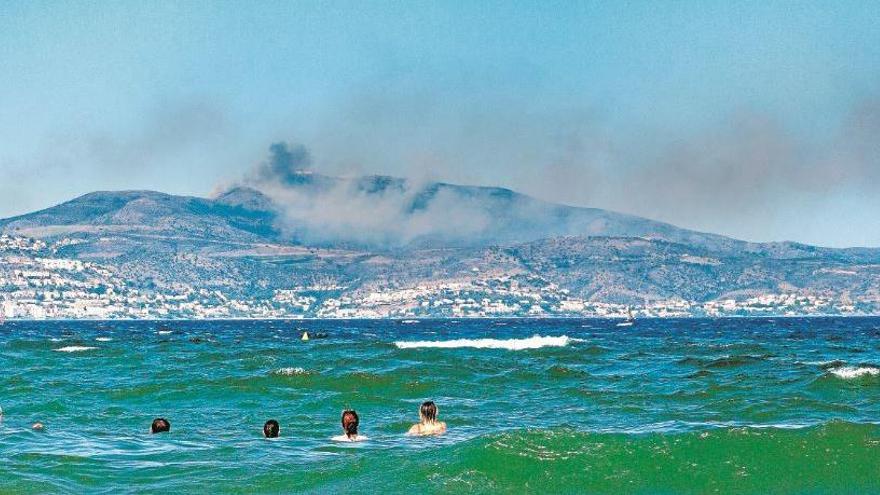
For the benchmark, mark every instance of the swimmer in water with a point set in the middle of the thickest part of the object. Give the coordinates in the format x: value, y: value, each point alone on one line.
x: 350, y: 422
x: 160, y: 425
x: 38, y: 426
x: 428, y: 424
x: 271, y: 429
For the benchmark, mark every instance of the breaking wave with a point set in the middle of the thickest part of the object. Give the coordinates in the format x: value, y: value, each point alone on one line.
x: 850, y: 372
x: 75, y: 348
x: 290, y: 371
x: 535, y: 342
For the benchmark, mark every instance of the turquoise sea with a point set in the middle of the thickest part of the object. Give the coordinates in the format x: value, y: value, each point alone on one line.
x: 533, y: 406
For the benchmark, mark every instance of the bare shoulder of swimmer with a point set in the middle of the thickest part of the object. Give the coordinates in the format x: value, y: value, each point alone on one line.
x: 437, y: 428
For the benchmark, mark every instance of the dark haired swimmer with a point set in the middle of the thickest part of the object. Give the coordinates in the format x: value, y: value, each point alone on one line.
x: 428, y: 424
x: 350, y: 422
x: 271, y: 429
x: 160, y: 425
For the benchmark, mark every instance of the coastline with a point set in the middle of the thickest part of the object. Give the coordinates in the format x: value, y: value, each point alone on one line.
x: 459, y: 318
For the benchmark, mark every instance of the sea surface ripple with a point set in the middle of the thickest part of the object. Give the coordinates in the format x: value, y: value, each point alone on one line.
x: 786, y: 405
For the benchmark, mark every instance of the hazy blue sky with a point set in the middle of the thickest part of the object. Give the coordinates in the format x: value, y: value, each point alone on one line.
x: 759, y: 120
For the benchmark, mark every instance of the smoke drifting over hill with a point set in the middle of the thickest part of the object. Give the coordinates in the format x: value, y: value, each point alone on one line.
x: 373, y: 210
x: 749, y: 165
x: 284, y: 164
x: 749, y: 173
x: 745, y: 167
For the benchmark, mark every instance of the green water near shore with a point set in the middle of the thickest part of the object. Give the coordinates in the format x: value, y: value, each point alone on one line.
x: 666, y: 406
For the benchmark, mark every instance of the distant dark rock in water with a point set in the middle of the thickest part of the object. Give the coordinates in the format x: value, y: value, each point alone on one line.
x: 306, y: 335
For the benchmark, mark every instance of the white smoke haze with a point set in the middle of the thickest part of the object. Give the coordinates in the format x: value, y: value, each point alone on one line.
x: 747, y: 170
x: 750, y: 168
x: 319, y: 208
x: 747, y: 175
x: 343, y: 212
x: 743, y: 175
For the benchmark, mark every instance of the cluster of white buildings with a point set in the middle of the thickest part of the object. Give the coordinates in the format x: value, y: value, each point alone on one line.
x: 36, y: 285
x: 500, y: 297
x: 789, y: 304
x: 21, y: 244
x: 33, y: 286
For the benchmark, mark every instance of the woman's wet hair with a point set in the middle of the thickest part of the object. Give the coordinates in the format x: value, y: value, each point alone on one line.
x: 350, y: 422
x: 160, y: 425
x: 271, y: 429
x: 429, y: 410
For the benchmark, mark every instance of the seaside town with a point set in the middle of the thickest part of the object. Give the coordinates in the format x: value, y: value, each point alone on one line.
x: 35, y: 284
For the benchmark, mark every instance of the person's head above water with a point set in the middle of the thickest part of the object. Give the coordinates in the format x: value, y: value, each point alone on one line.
x: 160, y: 425
x: 350, y: 423
x: 271, y: 429
x: 428, y: 423
x: 428, y: 411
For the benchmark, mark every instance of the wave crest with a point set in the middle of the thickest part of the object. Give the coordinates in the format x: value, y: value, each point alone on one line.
x: 850, y: 372
x: 291, y: 371
x: 534, y: 342
x: 75, y: 348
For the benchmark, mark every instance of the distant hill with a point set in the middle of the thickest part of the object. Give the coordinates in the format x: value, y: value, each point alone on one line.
x: 248, y: 215
x: 245, y: 216
x: 371, y: 234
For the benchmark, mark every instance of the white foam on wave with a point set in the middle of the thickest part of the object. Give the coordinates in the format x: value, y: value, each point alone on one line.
x: 103, y: 339
x: 535, y: 342
x: 75, y: 348
x: 291, y: 371
x: 164, y: 332
x: 849, y: 372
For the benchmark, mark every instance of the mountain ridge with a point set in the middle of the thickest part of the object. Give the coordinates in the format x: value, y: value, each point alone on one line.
x: 94, y: 208
x: 249, y: 244
x: 250, y: 210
